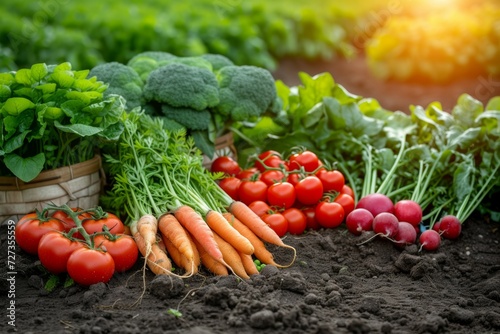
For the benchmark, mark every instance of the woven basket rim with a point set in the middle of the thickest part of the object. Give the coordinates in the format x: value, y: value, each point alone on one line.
x: 53, y: 176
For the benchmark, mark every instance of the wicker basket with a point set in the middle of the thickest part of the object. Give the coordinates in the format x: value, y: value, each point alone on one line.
x: 224, y: 146
x: 78, y: 185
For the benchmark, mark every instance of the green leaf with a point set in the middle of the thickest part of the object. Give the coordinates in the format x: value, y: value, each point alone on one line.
x: 463, y: 139
x: 7, y: 78
x: 16, y: 105
x: 490, y: 122
x: 175, y: 313
x: 25, y: 168
x: 23, y: 76
x: 314, y: 115
x: 467, y: 110
x: 493, y: 103
x: 113, y: 131
x: 79, y: 129
x: 39, y: 71
x: 47, y: 88
x: 72, y: 107
x: 64, y: 79
x: 51, y: 283
x: 202, y: 141
x: 5, y: 92
x: 462, y: 180
x: 85, y: 97
x: 63, y: 67
x: 15, y: 142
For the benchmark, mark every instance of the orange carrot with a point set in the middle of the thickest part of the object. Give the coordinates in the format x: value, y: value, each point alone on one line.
x: 147, y: 226
x: 245, y: 215
x: 248, y: 264
x: 231, y: 257
x: 171, y: 229
x: 157, y: 260
x: 194, y: 223
x: 209, y: 262
x: 180, y: 259
x: 261, y: 251
x: 220, y: 225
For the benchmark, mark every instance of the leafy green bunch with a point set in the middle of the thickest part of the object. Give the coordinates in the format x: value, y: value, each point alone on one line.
x: 448, y: 162
x: 204, y: 95
x: 52, y: 116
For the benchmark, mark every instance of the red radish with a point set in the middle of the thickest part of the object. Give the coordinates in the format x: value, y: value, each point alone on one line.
x: 408, y: 211
x: 450, y: 227
x: 406, y: 234
x: 385, y: 224
x: 376, y: 203
x: 429, y: 240
x: 436, y: 226
x: 359, y: 220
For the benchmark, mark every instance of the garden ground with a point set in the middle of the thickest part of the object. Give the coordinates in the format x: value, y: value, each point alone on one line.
x: 334, y: 286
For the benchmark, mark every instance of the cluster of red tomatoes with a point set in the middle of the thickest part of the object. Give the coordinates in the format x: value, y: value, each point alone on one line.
x: 89, y: 253
x: 290, y: 194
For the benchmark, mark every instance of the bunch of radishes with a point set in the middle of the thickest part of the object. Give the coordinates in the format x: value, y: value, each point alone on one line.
x: 399, y: 222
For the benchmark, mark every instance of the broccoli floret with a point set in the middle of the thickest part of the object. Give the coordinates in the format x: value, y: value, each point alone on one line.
x: 121, y: 80
x: 191, y: 119
x: 180, y: 85
x: 245, y: 92
x: 192, y: 61
x: 145, y: 62
x: 217, y: 61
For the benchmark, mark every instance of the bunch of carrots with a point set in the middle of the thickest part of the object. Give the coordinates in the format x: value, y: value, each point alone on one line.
x: 175, y: 209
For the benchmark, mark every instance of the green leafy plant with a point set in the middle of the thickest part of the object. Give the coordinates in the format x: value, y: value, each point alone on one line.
x: 52, y: 116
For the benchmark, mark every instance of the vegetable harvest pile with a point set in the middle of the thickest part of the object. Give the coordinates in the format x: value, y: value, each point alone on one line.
x: 331, y: 157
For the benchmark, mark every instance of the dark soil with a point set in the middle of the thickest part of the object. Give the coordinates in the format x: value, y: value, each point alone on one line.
x: 334, y: 286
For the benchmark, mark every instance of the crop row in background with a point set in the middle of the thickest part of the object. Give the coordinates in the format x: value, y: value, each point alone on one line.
x: 405, y: 39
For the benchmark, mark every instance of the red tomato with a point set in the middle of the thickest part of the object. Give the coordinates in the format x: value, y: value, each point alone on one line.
x: 269, y: 159
x: 272, y: 176
x: 54, y: 250
x: 347, y: 190
x: 297, y: 220
x: 312, y: 222
x: 123, y: 249
x: 277, y: 222
x: 68, y: 222
x: 332, y: 180
x: 309, y: 190
x: 250, y: 191
x: 281, y: 195
x: 114, y: 224
x: 329, y: 214
x: 260, y: 208
x: 347, y: 203
x: 293, y: 178
x: 225, y: 164
x: 90, y: 266
x: 29, y: 230
x: 247, y: 174
x: 307, y: 159
x: 230, y: 185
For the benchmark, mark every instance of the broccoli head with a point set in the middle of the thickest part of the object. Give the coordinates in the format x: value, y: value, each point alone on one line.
x: 217, y: 61
x: 121, y: 80
x: 245, y: 92
x: 192, y: 61
x: 181, y: 85
x: 190, y: 118
x: 145, y: 62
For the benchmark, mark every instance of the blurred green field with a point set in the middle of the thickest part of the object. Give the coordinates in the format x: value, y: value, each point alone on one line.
x: 257, y: 33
